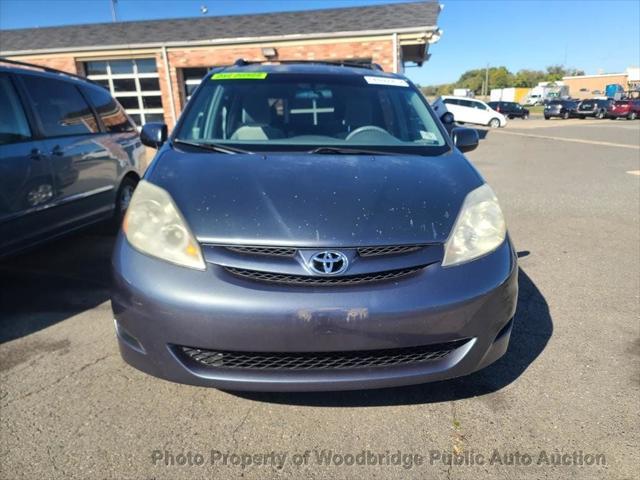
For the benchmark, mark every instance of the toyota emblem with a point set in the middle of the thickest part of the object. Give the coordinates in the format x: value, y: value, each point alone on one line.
x: 328, y: 263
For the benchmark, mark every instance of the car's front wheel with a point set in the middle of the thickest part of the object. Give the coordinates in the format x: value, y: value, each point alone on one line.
x: 600, y: 115
x: 125, y: 192
x: 494, y: 123
x: 632, y: 116
x: 565, y: 115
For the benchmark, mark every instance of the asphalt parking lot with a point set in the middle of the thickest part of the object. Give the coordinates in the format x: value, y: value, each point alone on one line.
x: 70, y: 408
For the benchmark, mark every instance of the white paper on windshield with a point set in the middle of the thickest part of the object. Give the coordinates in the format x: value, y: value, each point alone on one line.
x: 395, y: 82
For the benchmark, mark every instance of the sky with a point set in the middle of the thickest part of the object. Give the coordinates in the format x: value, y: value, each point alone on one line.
x: 594, y: 36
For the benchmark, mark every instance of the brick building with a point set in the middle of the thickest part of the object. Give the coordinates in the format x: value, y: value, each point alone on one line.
x: 584, y: 86
x: 153, y: 66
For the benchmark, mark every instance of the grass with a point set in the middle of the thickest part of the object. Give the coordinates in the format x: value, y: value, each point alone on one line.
x: 537, y: 110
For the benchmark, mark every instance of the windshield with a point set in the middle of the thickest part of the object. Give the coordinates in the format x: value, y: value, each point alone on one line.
x: 275, y: 110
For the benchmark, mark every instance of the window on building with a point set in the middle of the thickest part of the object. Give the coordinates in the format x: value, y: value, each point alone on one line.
x: 113, y: 117
x: 192, y: 78
x: 134, y: 83
x: 61, y: 108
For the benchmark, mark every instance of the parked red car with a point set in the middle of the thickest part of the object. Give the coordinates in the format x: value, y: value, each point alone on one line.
x: 624, y: 108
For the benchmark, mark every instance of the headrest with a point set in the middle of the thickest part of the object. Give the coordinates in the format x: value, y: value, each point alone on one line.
x: 256, y: 110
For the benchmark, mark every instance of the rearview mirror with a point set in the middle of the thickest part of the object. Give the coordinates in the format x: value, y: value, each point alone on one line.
x: 153, y: 134
x: 466, y: 139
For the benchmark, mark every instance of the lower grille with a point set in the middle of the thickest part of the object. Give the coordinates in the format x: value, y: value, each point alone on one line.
x: 284, y: 278
x: 319, y: 360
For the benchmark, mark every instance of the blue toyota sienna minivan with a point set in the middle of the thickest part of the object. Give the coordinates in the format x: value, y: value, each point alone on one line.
x: 69, y: 155
x: 311, y: 227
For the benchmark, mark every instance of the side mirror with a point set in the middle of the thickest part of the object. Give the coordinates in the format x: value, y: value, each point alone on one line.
x: 466, y: 139
x: 153, y: 134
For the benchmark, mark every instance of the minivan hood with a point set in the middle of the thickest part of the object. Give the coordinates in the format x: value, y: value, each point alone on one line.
x: 304, y: 200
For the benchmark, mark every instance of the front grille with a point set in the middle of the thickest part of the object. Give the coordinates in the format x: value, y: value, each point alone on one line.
x: 319, y: 360
x: 388, y: 250
x: 290, y: 252
x: 274, y: 251
x: 284, y: 278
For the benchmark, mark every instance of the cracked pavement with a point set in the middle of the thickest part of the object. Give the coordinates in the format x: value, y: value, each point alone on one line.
x: 71, y: 408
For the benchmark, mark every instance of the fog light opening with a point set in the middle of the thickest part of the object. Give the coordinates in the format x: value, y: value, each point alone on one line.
x: 129, y: 339
x: 504, y: 330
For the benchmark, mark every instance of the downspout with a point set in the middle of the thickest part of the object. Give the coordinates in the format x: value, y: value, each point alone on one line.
x: 167, y: 73
x: 394, y: 38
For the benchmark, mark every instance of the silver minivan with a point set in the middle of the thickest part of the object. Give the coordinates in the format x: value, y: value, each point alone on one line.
x: 69, y: 155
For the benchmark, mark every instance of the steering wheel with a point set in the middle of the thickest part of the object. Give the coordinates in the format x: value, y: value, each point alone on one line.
x: 368, y: 128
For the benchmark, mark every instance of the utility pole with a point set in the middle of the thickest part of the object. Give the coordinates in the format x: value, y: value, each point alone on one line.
x: 486, y: 80
x: 114, y: 16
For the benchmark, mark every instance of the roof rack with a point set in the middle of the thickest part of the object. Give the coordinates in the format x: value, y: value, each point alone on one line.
x: 241, y: 62
x: 47, y: 69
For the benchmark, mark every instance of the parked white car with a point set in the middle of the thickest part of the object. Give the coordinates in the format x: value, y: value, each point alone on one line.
x: 469, y: 110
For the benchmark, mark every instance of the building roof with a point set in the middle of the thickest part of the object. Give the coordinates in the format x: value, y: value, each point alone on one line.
x: 232, y: 28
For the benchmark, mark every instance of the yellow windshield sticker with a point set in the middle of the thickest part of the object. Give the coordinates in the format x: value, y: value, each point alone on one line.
x: 239, y: 76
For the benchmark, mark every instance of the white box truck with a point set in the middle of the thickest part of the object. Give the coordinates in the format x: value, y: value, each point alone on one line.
x: 463, y: 92
x: 511, y: 94
x: 546, y: 91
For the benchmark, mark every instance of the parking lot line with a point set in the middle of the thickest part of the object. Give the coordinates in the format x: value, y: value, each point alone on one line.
x: 634, y: 172
x: 574, y: 140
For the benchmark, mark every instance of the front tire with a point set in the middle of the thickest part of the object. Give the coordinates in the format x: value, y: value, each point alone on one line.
x: 565, y: 116
x: 600, y: 115
x: 123, y: 199
x: 494, y: 123
x: 632, y: 116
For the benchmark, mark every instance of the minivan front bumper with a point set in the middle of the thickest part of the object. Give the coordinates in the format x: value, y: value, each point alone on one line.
x: 294, y: 338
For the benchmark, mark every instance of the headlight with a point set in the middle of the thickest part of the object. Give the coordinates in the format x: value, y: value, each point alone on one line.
x: 479, y: 229
x: 154, y: 226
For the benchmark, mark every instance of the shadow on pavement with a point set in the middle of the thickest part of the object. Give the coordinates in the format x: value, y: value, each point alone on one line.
x: 482, y: 133
x: 532, y: 329
x: 56, y: 281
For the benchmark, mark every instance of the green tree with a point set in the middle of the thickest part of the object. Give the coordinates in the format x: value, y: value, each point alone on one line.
x: 500, y: 77
x: 472, y: 79
x: 556, y: 72
x: 528, y: 78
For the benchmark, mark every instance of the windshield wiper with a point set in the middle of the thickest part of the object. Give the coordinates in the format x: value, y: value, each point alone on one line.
x: 213, y: 147
x: 347, y: 151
